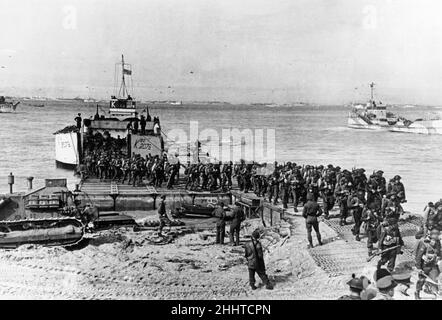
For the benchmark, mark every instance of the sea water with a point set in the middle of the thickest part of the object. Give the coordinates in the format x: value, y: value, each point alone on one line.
x: 305, y: 134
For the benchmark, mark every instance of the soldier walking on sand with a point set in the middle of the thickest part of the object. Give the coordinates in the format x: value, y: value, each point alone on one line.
x: 255, y: 261
x: 164, y: 220
x: 311, y: 212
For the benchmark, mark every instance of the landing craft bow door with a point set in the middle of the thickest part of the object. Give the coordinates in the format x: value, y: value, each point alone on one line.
x: 144, y: 145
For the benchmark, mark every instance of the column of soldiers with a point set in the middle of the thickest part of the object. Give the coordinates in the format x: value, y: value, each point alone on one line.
x: 135, y: 170
x: 105, y: 158
x: 367, y: 199
x: 370, y: 200
x: 209, y: 176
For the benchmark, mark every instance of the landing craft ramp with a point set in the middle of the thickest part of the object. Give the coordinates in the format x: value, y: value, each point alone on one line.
x: 340, y: 253
x: 343, y: 255
x: 109, y: 195
x: 97, y: 187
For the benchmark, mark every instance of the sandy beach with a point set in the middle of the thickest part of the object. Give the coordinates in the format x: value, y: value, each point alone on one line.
x: 125, y: 264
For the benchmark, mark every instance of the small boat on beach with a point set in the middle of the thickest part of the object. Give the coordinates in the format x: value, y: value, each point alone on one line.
x: 48, y: 232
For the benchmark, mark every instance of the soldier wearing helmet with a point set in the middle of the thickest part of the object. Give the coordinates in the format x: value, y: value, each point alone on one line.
x: 390, y: 236
x: 326, y: 189
x: 355, y: 204
x: 390, y: 207
x: 311, y: 212
x: 428, y: 254
x: 255, y: 261
x: 356, y: 286
x: 396, y: 187
x: 432, y: 217
x: 227, y: 171
x: 372, y: 220
x: 382, y: 184
x: 342, y: 193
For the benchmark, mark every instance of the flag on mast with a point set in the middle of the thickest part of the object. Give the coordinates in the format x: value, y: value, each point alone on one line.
x: 127, y: 71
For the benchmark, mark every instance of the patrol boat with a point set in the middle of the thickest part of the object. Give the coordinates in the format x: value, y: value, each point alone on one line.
x: 6, y: 106
x: 71, y: 142
x: 374, y: 116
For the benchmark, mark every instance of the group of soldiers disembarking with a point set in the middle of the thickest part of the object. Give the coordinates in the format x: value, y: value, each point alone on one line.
x: 370, y: 200
x: 106, y: 159
x: 135, y: 170
x: 372, y: 203
x: 394, y: 284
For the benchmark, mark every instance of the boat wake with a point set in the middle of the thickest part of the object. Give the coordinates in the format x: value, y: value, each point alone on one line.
x: 337, y: 129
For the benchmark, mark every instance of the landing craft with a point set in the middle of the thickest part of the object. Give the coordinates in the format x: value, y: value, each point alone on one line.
x: 375, y: 116
x: 71, y: 142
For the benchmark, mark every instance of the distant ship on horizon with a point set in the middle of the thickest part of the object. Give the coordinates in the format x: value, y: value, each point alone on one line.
x: 375, y: 116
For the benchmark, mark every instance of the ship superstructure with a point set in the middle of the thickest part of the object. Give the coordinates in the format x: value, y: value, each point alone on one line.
x: 112, y: 125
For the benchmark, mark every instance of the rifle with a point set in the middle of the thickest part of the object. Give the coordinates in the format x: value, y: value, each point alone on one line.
x: 428, y: 279
x: 381, y: 252
x: 284, y: 241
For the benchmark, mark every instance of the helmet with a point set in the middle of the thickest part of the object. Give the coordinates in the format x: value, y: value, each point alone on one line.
x: 356, y: 283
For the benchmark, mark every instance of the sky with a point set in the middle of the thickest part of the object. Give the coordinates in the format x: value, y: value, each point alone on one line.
x: 281, y: 51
